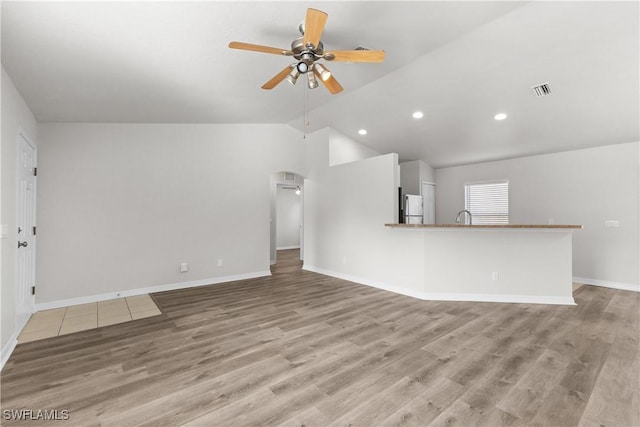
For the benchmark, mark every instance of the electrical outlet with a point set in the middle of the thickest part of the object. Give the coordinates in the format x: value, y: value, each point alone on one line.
x: 612, y: 223
x: 551, y: 221
x: 184, y: 267
x: 344, y: 260
x: 220, y: 262
x: 495, y: 275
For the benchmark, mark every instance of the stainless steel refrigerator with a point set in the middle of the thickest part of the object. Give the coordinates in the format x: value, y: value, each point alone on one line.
x: 413, y: 210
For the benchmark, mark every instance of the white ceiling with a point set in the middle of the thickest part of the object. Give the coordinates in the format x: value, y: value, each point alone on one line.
x: 458, y: 62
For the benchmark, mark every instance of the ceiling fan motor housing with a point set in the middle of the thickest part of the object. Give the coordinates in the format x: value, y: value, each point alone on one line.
x: 298, y: 48
x: 306, y: 55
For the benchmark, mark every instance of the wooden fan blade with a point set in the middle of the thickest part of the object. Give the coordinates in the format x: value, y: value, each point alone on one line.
x: 330, y: 83
x: 355, y: 55
x: 259, y: 48
x: 314, y: 26
x: 277, y: 78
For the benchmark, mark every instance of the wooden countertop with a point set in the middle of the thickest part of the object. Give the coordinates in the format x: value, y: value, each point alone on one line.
x: 498, y: 226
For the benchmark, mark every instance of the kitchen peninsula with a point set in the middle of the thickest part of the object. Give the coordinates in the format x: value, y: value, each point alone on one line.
x: 501, y: 263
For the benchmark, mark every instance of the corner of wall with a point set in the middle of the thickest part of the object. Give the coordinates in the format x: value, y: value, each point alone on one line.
x: 343, y: 149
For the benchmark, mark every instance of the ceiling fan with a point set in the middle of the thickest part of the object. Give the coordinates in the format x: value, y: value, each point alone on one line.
x: 307, y: 50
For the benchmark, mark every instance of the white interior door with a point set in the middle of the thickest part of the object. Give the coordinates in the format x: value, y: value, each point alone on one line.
x: 302, y: 224
x: 26, y: 232
x: 429, y: 203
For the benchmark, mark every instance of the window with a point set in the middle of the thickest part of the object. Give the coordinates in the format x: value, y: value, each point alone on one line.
x: 488, y: 202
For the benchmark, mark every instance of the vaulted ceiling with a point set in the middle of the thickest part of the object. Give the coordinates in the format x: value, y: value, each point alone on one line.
x: 460, y: 63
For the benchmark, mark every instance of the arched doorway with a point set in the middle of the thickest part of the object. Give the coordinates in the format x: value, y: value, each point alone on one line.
x: 287, y: 218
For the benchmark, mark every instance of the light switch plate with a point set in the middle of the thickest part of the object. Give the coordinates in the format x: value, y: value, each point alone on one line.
x: 612, y: 223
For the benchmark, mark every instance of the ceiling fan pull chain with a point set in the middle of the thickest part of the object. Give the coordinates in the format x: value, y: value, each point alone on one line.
x: 304, y: 113
x: 305, y: 109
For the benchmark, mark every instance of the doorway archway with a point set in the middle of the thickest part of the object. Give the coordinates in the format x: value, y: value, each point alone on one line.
x: 286, y: 214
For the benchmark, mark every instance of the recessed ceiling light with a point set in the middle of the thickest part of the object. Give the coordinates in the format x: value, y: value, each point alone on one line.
x: 362, y: 131
x: 500, y: 116
x: 418, y: 115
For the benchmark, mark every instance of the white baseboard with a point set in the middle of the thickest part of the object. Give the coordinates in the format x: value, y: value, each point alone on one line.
x: 513, y: 299
x: 606, y: 284
x: 284, y: 248
x: 8, y: 348
x: 396, y: 289
x: 518, y: 299
x: 148, y: 290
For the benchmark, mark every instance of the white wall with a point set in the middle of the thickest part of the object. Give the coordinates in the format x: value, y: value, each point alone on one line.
x: 530, y: 266
x: 121, y: 205
x: 346, y: 207
x: 289, y: 217
x: 410, y: 177
x: 16, y: 117
x: 413, y: 173
x: 343, y: 149
x: 584, y: 187
x: 427, y: 173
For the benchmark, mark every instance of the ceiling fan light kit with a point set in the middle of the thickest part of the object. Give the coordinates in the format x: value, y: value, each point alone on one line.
x: 292, y: 77
x: 313, y: 82
x: 322, y: 71
x: 302, y: 67
x: 307, y: 50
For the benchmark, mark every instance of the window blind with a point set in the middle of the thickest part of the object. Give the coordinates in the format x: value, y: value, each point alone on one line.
x: 488, y: 202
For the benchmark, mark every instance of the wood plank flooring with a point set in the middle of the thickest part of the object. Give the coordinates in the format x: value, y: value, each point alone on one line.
x: 299, y: 348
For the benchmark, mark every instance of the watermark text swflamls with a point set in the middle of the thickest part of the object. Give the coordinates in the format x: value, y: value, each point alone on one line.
x: 36, y: 414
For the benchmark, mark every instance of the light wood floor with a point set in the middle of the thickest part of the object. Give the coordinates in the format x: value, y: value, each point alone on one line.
x: 299, y: 348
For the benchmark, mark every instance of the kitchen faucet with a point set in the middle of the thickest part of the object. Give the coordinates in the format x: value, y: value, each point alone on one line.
x: 464, y: 211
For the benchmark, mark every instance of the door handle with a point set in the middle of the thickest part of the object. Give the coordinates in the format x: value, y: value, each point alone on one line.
x: 22, y: 244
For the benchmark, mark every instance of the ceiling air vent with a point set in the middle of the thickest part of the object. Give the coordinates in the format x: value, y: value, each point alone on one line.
x: 541, y: 90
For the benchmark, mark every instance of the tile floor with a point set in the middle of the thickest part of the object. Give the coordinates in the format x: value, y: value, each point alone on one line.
x: 61, y: 321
